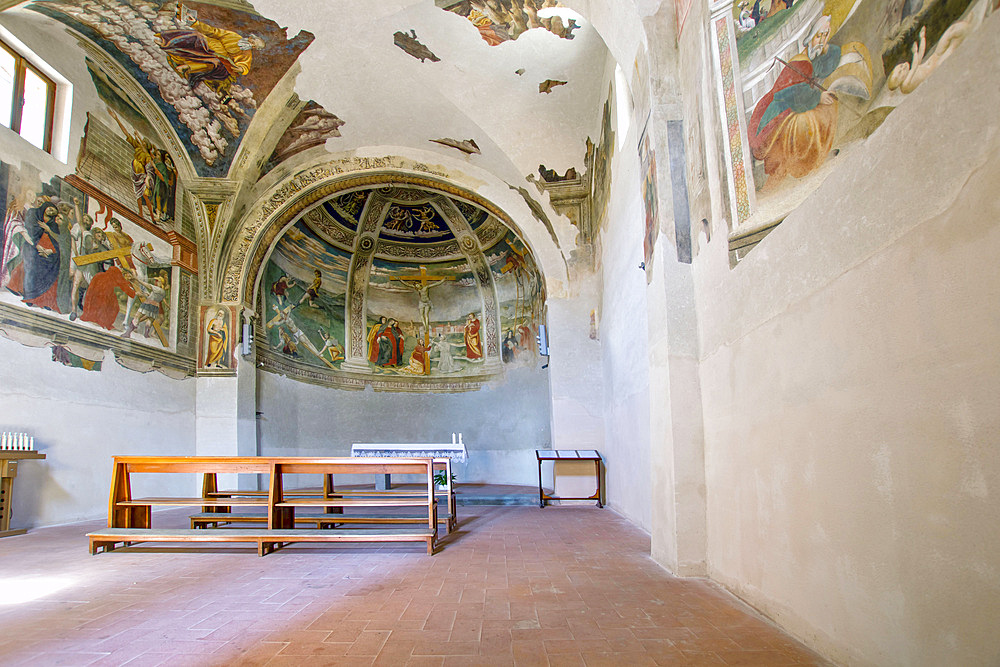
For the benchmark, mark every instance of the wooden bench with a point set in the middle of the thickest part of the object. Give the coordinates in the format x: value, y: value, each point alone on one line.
x: 214, y: 516
x: 129, y: 519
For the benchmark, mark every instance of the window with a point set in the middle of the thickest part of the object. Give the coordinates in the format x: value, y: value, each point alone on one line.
x: 27, y: 98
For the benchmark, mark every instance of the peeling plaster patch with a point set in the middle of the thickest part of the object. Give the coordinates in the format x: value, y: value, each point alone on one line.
x: 537, y: 211
x: 547, y: 85
x: 973, y: 481
x: 410, y: 44
x: 498, y: 24
x: 467, y: 146
x: 883, y: 470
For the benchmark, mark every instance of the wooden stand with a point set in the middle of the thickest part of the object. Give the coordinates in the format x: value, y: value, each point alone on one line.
x: 556, y: 455
x: 8, y: 471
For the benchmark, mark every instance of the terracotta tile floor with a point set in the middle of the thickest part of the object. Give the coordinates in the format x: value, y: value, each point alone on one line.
x: 513, y: 586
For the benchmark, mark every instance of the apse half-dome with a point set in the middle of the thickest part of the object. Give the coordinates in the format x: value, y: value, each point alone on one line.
x: 400, y: 287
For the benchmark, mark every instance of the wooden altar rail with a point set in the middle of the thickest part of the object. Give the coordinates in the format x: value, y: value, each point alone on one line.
x: 130, y: 519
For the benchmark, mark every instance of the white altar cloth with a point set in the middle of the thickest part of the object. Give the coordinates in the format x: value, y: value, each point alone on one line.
x: 446, y: 450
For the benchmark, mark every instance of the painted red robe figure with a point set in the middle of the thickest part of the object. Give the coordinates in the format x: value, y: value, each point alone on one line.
x: 390, y: 345
x: 473, y: 342
x: 100, y: 305
x: 793, y: 125
x: 373, y: 338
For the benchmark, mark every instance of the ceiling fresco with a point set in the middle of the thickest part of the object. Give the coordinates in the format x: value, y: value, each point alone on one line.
x: 208, y: 68
x: 500, y: 21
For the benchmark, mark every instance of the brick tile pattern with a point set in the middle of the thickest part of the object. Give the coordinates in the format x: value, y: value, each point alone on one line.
x: 513, y: 586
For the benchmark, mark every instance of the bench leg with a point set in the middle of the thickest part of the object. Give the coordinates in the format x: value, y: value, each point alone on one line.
x: 97, y: 546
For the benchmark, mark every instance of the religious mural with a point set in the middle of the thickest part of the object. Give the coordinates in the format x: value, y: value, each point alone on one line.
x: 647, y: 166
x: 66, y: 251
x: 447, y: 294
x: 134, y: 170
x: 303, y: 290
x: 424, y: 322
x: 519, y: 290
x: 600, y: 156
x: 218, y: 337
x: 208, y: 68
x: 500, y: 21
x: 818, y: 78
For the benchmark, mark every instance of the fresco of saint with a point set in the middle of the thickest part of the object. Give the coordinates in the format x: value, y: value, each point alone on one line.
x: 202, y: 52
x: 473, y: 340
x: 217, y: 349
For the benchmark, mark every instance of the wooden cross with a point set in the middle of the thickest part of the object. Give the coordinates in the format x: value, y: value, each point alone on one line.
x: 424, y: 281
x: 122, y: 254
x: 423, y: 278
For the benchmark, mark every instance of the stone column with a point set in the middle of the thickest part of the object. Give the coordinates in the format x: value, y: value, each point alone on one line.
x: 356, y: 315
x: 469, y: 245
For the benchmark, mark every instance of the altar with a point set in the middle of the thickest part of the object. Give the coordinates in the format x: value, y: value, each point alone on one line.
x: 452, y: 451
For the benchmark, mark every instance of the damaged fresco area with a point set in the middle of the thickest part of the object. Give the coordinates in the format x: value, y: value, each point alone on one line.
x: 519, y: 289
x: 818, y: 78
x: 310, y: 128
x: 208, y: 68
x: 500, y: 21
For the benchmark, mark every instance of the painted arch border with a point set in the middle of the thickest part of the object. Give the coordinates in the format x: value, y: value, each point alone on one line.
x: 251, y: 241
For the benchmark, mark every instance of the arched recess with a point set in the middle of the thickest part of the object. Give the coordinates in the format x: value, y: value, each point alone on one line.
x: 372, y: 240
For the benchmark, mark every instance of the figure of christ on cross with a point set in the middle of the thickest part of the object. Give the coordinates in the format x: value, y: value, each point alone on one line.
x: 422, y: 285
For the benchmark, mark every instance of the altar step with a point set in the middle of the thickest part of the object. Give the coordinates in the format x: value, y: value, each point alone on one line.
x: 496, y: 494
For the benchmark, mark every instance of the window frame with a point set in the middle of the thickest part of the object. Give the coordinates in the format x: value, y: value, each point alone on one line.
x: 21, y: 66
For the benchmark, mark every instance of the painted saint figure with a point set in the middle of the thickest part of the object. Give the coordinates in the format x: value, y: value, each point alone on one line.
x: 446, y: 363
x: 312, y: 292
x: 793, y: 126
x: 373, y: 338
x: 332, y: 350
x: 217, y: 352
x: 419, y: 359
x: 473, y: 341
x: 280, y: 290
x: 390, y: 345
x: 204, y: 53
x: 35, y: 278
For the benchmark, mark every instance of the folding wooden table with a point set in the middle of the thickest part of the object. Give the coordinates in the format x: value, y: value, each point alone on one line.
x: 8, y: 471
x: 568, y: 455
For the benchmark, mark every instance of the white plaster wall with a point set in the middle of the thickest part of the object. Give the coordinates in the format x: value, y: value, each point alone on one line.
x: 850, y: 370
x: 625, y: 340
x: 80, y: 420
x: 501, y: 425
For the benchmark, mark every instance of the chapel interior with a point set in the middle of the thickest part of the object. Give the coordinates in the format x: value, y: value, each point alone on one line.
x: 745, y: 251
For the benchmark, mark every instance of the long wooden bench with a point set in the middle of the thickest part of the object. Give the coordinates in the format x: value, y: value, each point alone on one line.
x: 129, y: 519
x: 220, y: 515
